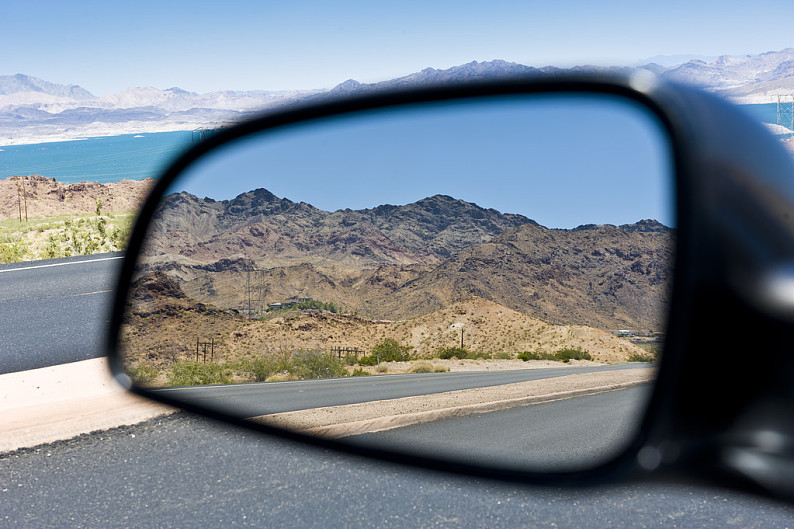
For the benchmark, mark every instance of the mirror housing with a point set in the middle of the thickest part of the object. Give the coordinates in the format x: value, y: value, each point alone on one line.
x: 735, y: 244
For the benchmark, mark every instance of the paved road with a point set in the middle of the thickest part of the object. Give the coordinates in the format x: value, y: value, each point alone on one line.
x: 248, y: 400
x: 562, y: 435
x: 186, y: 472
x: 55, y: 311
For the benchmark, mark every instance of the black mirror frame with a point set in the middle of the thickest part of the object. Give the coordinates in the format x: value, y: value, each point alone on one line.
x: 665, y: 442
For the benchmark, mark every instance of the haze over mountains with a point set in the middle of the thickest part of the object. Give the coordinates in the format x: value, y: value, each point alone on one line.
x: 33, y: 110
x: 398, y: 262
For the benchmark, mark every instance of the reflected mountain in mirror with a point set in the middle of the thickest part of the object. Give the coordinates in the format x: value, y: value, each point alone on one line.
x: 439, y: 318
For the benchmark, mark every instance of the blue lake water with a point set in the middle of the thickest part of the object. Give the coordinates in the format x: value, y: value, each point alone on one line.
x: 105, y: 159
x: 137, y: 156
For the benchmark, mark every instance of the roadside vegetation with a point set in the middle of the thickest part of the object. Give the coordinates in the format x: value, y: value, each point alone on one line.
x: 65, y: 235
x: 285, y: 365
x: 561, y: 355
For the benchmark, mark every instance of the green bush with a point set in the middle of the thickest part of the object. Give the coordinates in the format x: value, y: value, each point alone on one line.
x: 642, y: 357
x: 142, y: 374
x: 562, y: 355
x: 13, y: 252
x: 316, y: 364
x: 389, y: 350
x: 369, y: 360
x: 358, y: 372
x: 260, y: 369
x: 349, y: 359
x: 190, y: 373
x: 568, y: 354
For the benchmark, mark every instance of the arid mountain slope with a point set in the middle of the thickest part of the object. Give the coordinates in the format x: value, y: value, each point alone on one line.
x: 272, y: 231
x: 45, y: 197
x: 163, y: 324
x: 401, y: 262
x: 601, y: 276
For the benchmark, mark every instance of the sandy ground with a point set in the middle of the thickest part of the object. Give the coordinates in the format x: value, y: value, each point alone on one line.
x: 480, y: 365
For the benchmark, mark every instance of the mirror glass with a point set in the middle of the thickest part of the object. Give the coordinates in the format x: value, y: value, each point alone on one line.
x: 482, y: 280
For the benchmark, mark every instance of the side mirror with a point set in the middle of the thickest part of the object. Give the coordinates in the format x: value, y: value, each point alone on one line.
x: 478, y: 277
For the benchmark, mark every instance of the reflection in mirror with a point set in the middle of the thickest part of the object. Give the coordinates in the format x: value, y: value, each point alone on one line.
x: 483, y: 281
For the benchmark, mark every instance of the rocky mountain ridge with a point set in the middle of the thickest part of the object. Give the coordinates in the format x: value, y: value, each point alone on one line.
x: 261, y: 226
x: 398, y: 262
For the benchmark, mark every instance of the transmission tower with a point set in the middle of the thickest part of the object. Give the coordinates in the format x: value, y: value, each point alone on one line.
x: 785, y: 111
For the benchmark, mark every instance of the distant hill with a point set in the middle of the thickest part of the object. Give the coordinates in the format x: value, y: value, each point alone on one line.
x: 258, y: 225
x: 33, y: 110
x: 399, y: 262
x: 20, y: 83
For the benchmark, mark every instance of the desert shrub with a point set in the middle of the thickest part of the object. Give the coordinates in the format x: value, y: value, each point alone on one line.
x: 421, y: 367
x: 440, y: 369
x: 369, y: 360
x: 260, y: 369
x: 568, y: 354
x: 190, y: 373
x: 316, y: 364
x: 503, y: 355
x: 642, y: 357
x: 561, y: 355
x: 349, y: 359
x: 13, y: 252
x: 359, y: 372
x: 142, y: 374
x: 389, y: 350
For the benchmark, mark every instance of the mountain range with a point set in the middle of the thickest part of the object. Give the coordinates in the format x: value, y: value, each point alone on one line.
x: 398, y: 262
x: 33, y: 110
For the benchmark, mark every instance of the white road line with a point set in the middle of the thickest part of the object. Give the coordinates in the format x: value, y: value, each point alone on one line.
x: 60, y: 264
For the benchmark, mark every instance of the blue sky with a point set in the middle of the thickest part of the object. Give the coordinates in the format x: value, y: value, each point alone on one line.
x: 562, y: 161
x: 107, y: 46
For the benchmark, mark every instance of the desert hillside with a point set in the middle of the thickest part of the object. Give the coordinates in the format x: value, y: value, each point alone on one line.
x: 164, y: 324
x: 45, y: 197
x: 41, y: 218
x: 401, y: 262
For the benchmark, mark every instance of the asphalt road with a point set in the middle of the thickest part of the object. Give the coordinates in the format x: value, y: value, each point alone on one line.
x: 568, y: 434
x: 182, y: 471
x: 248, y: 400
x: 185, y: 472
x: 55, y: 311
